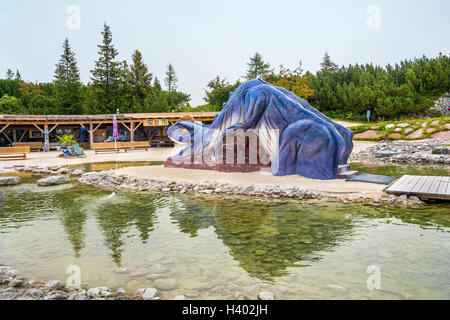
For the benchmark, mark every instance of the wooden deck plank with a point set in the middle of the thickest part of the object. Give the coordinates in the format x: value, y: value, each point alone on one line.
x: 399, y: 183
x: 427, y: 187
x: 442, y: 186
x: 435, y: 185
x: 421, y: 180
x: 448, y: 187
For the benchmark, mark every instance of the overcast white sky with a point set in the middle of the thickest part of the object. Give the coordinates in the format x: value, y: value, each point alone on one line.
x: 205, y: 38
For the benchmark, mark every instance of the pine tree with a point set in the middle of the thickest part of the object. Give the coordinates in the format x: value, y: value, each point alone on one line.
x: 171, y: 79
x: 9, y: 74
x: 140, y: 78
x: 107, y: 74
x: 257, y: 68
x: 157, y: 85
x: 327, y: 64
x: 18, y: 75
x: 67, y: 82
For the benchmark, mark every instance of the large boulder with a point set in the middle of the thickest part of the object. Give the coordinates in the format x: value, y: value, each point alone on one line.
x: 9, y: 181
x: 53, y: 180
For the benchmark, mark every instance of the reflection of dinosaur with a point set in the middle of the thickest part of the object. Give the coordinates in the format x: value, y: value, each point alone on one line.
x: 268, y: 239
x: 288, y: 129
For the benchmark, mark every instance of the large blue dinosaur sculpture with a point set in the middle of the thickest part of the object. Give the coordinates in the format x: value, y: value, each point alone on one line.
x: 295, y: 136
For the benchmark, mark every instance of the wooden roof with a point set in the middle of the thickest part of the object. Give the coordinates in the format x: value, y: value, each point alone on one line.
x: 12, y: 118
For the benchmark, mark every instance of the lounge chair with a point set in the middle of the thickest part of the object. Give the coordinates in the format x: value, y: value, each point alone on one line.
x: 65, y: 152
x: 78, y: 151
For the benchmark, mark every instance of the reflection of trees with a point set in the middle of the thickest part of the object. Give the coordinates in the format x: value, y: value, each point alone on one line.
x: 267, y: 238
x: 115, y: 217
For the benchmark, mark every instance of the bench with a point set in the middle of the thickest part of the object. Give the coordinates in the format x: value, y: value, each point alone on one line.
x: 135, y: 145
x: 162, y: 144
x: 34, y: 146
x: 14, y: 152
x: 121, y: 145
x: 106, y: 147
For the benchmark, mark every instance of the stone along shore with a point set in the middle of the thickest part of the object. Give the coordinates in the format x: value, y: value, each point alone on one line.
x: 109, y: 179
x: 14, y: 287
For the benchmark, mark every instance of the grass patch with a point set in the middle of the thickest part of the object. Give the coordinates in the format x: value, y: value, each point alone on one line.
x: 415, y: 124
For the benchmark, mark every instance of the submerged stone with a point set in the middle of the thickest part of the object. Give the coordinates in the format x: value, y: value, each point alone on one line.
x: 8, y: 181
x: 54, y: 180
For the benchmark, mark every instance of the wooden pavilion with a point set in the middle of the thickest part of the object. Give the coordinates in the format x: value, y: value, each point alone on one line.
x: 15, y: 129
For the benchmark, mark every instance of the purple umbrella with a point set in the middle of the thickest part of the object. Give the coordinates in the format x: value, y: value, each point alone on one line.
x: 116, y: 135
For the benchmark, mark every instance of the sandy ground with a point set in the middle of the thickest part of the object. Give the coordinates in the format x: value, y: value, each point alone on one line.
x: 44, y: 159
x: 262, y: 178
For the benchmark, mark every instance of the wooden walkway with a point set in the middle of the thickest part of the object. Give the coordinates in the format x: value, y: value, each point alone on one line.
x: 424, y: 187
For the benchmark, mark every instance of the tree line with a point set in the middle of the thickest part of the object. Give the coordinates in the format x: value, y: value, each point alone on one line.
x: 113, y: 86
x: 406, y: 89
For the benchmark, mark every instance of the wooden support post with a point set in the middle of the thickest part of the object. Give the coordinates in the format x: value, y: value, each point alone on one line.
x: 4, y: 128
x: 132, y: 132
x: 46, y: 138
x: 14, y: 135
x: 91, y: 135
x: 6, y: 136
x: 23, y: 135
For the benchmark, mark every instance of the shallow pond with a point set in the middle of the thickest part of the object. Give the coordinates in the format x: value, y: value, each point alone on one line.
x: 214, y: 247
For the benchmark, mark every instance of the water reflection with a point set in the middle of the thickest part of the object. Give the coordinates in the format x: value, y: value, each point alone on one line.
x: 117, y: 215
x: 267, y: 238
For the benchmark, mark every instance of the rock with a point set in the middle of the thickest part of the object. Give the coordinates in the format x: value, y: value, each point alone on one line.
x: 8, y: 181
x: 149, y: 293
x: 121, y: 293
x: 435, y: 123
x: 54, y: 180
x: 414, y: 198
x: 15, y: 283
x: 155, y: 276
x: 56, y: 296
x: 265, y: 295
x: 77, y: 173
x: 35, y: 293
x: 121, y: 271
x: 139, y: 292
x: 389, y: 126
x: 180, y: 297
x: 138, y: 273
x: 93, y: 292
x: 441, y: 150
x: 54, y: 284
x: 77, y: 296
x: 240, y: 296
x: 408, y: 130
x: 403, y: 125
x: 63, y: 170
x: 403, y: 197
x: 191, y: 293
x: 367, y: 134
x: 395, y: 136
x: 165, y: 284
x: 416, y: 134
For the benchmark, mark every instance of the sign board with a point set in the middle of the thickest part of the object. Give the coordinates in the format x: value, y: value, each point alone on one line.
x: 156, y: 123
